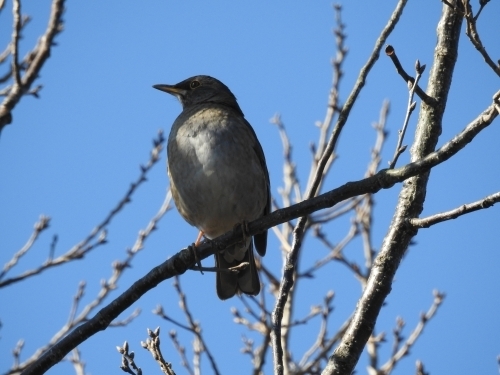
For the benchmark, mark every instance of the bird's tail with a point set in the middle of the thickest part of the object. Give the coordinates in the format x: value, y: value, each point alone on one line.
x: 245, y: 281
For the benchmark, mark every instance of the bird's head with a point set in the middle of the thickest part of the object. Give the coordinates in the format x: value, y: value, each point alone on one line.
x: 201, y: 89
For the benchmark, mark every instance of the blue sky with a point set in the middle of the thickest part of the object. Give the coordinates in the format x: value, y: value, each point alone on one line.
x: 72, y: 154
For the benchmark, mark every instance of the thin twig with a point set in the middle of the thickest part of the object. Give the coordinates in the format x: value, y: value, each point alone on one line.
x: 181, y: 350
x: 387, y: 368
x: 192, y: 326
x: 335, y: 252
x: 40, y: 54
x: 77, y: 362
x: 107, y: 286
x: 482, y: 4
x: 128, y: 360
x: 16, y: 35
x: 409, y: 110
x: 426, y: 222
x: 391, y: 52
x: 364, y: 211
x: 97, y: 236
x: 420, y: 368
x: 333, y: 107
x: 323, y: 331
x: 472, y: 33
x: 152, y: 345
x: 39, y: 227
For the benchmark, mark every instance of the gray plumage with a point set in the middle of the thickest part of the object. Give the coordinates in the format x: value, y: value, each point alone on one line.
x: 218, y: 174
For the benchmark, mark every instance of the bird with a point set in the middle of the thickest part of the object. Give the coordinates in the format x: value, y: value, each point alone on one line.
x: 218, y: 176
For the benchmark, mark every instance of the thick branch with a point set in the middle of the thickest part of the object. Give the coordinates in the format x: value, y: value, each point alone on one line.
x: 410, y: 204
x: 291, y: 261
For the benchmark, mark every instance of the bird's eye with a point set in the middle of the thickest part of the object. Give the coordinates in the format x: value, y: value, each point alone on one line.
x: 194, y: 84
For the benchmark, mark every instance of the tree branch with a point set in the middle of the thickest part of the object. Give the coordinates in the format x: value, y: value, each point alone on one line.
x: 98, y: 235
x: 410, y: 203
x: 391, y: 52
x: 40, y: 54
x: 426, y: 222
x: 289, y: 269
x: 471, y: 32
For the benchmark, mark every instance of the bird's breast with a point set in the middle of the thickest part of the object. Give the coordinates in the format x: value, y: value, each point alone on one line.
x: 216, y: 175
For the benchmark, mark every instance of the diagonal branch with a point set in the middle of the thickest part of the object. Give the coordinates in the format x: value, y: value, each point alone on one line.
x: 97, y: 236
x: 183, y: 260
x: 39, y: 227
x: 41, y: 53
x: 391, y: 52
x: 471, y: 32
x: 405, y: 349
x: 409, y: 110
x: 410, y: 202
x: 426, y: 222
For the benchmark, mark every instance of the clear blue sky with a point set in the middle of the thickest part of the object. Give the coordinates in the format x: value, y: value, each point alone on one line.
x: 72, y: 154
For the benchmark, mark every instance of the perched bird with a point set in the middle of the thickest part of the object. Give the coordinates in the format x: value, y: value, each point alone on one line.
x: 218, y: 175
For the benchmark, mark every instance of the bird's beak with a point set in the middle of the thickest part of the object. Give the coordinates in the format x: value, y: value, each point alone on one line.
x: 171, y: 90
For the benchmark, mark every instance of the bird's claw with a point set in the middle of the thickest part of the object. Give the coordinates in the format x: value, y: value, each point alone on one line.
x: 192, y: 248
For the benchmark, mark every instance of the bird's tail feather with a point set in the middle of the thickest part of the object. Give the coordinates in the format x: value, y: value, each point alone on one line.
x: 245, y: 281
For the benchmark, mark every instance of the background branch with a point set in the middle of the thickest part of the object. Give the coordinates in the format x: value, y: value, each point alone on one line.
x: 38, y: 57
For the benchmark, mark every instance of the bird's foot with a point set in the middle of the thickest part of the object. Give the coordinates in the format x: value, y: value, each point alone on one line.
x: 198, y: 239
x: 235, y: 269
x: 244, y: 230
x: 192, y: 248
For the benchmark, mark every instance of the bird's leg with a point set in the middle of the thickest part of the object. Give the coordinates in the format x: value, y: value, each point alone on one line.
x: 244, y: 230
x: 192, y: 248
x: 198, y: 239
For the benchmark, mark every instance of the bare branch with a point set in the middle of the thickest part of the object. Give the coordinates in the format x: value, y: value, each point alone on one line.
x: 335, y: 252
x: 409, y: 110
x: 152, y: 345
x: 39, y: 227
x: 40, y: 54
x: 426, y: 222
x: 326, y: 312
x: 391, y: 52
x: 193, y: 326
x: 333, y: 107
x: 107, y: 286
x: 420, y: 368
x: 482, y: 4
x: 128, y: 364
x: 98, y: 235
x: 335, y: 212
x: 387, y: 368
x: 181, y: 350
x: 410, y: 203
x: 364, y: 211
x: 289, y: 169
x: 289, y: 269
x: 77, y: 362
x: 472, y: 33
x: 16, y: 35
